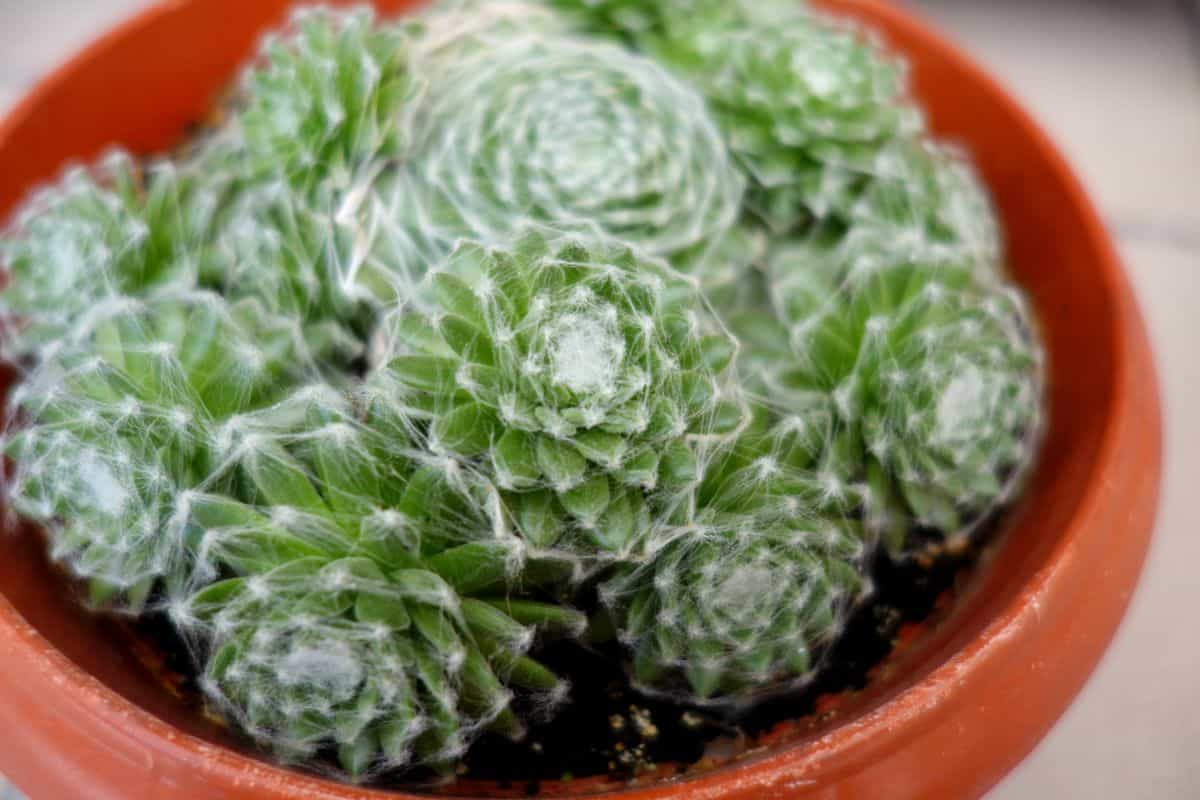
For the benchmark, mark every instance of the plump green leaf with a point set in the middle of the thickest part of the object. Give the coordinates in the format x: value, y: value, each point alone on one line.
x: 281, y: 479
x: 588, y: 500
x: 381, y: 608
x: 432, y: 374
x: 606, y: 449
x: 471, y: 343
x: 454, y: 293
x: 467, y: 429
x: 561, y: 463
x: 540, y: 517
x: 641, y: 469
x: 678, y: 465
x: 514, y: 460
x: 475, y: 566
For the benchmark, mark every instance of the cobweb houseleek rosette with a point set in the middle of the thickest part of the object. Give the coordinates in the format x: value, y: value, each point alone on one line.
x: 744, y: 594
x: 122, y: 420
x: 305, y: 134
x: 576, y: 374
x: 558, y: 130
x: 376, y: 610
x: 929, y: 214
x: 118, y: 229
x: 925, y: 204
x: 330, y: 97
x: 935, y: 375
x: 298, y: 258
x: 807, y: 106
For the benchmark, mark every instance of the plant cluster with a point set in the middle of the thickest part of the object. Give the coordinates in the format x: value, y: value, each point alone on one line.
x: 455, y: 320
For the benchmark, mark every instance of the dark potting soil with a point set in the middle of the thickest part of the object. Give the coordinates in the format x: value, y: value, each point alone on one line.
x: 609, y: 729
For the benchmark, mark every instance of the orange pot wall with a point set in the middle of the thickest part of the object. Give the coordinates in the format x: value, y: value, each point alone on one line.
x: 79, y: 718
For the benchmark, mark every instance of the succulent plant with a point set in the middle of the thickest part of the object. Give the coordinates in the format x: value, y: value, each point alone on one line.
x: 807, y: 106
x: 124, y: 420
x: 314, y: 121
x: 558, y: 130
x: 425, y: 338
x: 935, y: 375
x: 931, y: 214
x: 297, y: 259
x: 392, y: 669
x: 575, y: 372
x: 118, y: 229
x: 329, y: 98
x: 747, y: 590
x: 926, y: 204
x: 372, y: 608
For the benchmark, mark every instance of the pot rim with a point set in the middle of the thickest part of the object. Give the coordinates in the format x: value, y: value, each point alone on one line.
x: 872, y: 731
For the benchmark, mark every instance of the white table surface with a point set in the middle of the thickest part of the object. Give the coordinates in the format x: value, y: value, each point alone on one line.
x: 1117, y: 83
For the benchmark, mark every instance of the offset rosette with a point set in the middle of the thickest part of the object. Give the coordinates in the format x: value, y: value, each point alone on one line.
x: 373, y: 609
x: 325, y: 107
x: 931, y: 216
x: 330, y: 98
x: 121, y: 229
x: 393, y: 670
x: 745, y: 592
x: 927, y: 204
x: 806, y: 106
x: 935, y: 378
x: 574, y: 372
x: 575, y: 134
x: 122, y: 421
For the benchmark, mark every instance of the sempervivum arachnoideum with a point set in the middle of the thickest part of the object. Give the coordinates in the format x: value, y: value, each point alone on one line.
x: 930, y: 214
x: 744, y: 592
x: 806, y: 105
x: 314, y: 121
x: 935, y: 376
x: 927, y: 204
x: 576, y: 373
x: 122, y: 420
x: 329, y: 99
x: 120, y: 229
x: 393, y: 669
x: 372, y: 608
x: 559, y: 130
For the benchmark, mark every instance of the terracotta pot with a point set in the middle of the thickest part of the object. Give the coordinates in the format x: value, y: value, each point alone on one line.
x: 946, y: 716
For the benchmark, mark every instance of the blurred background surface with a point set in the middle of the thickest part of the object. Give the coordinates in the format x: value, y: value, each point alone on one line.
x: 1117, y: 85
